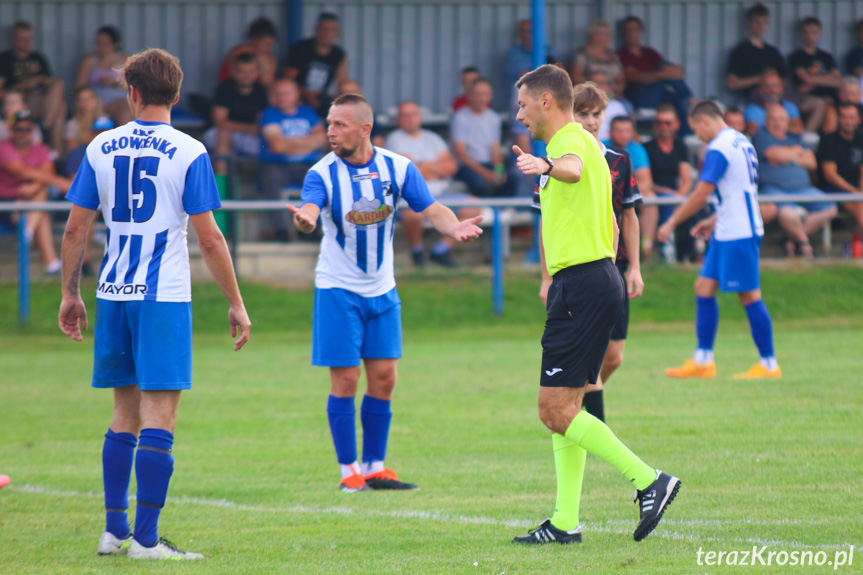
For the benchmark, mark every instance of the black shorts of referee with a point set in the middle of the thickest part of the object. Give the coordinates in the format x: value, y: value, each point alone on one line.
x: 621, y: 326
x: 583, y: 304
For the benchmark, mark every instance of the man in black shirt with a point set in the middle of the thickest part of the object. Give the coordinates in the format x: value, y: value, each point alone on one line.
x: 237, y: 109
x: 27, y: 71
x: 318, y: 65
x: 840, y: 159
x: 752, y: 56
x: 814, y: 75
x: 672, y: 174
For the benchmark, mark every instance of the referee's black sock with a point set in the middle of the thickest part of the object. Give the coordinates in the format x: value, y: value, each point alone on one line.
x: 592, y: 402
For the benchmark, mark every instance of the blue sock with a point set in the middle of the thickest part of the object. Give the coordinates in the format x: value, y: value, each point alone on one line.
x: 342, y: 414
x: 706, y: 321
x: 440, y: 248
x: 375, y: 415
x: 154, y: 466
x: 118, y: 454
x: 762, y: 328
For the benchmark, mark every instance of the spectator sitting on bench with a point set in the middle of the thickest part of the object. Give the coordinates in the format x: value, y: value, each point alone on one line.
x: 849, y: 93
x: 770, y: 92
x: 840, y: 159
x: 621, y: 138
x: 99, y: 71
x: 815, y: 77
x: 475, y: 131
x: 432, y: 157
x: 27, y: 71
x: 261, y: 36
x: 13, y: 102
x: 783, y: 168
x: 734, y: 118
x: 651, y: 80
x: 26, y: 171
x: 292, y: 137
x: 236, y: 114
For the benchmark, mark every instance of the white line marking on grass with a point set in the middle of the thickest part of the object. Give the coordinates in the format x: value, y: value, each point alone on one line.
x: 607, y: 526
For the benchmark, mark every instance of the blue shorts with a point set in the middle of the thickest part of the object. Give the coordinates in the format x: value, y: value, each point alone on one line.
x: 348, y: 327
x: 767, y: 191
x: 734, y: 264
x: 147, y: 343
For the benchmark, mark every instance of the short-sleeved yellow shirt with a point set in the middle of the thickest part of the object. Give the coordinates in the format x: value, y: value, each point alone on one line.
x: 577, y: 219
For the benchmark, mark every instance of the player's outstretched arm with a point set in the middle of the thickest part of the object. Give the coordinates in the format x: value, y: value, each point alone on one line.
x: 567, y: 168
x: 214, y: 250
x: 446, y: 222
x: 305, y: 217
x: 73, y: 312
x: 688, y: 209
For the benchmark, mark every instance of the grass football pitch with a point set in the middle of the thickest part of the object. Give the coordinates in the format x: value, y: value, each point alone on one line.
x: 773, y: 464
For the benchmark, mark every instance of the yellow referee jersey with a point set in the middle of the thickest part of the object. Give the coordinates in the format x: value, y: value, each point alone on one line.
x: 577, y: 219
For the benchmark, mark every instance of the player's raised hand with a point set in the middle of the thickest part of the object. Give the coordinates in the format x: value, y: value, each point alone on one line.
x: 467, y: 230
x: 634, y: 283
x: 240, y: 324
x: 73, y: 317
x: 302, y: 220
x: 528, y: 164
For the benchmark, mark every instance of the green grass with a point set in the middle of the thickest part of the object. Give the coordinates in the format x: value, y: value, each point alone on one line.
x: 775, y: 462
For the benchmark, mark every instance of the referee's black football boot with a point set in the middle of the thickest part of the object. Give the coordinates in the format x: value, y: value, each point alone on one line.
x: 653, y: 502
x: 548, y: 533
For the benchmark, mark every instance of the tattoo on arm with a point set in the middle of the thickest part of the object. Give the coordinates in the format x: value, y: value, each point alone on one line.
x: 74, y: 283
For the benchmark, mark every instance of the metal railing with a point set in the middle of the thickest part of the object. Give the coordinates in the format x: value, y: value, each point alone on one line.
x: 497, y: 229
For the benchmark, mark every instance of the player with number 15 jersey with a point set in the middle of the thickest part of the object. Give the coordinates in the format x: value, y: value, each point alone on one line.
x: 147, y: 177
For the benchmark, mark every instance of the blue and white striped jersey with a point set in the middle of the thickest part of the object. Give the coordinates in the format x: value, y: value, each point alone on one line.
x: 731, y: 165
x: 358, y: 205
x: 147, y: 177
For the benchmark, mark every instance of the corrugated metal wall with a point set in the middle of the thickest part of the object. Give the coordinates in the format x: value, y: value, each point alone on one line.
x: 414, y: 48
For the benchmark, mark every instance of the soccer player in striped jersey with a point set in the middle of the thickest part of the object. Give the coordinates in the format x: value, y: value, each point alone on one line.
x: 355, y: 190
x: 730, y: 173
x: 149, y: 180
x: 589, y: 103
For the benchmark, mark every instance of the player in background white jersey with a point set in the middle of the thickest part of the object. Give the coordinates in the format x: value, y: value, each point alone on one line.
x: 357, y: 319
x: 730, y: 173
x: 149, y: 180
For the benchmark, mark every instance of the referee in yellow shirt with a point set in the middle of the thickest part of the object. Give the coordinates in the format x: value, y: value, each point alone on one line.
x: 578, y: 244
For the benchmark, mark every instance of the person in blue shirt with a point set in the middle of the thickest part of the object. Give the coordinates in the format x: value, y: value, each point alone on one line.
x: 621, y: 138
x: 292, y: 136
